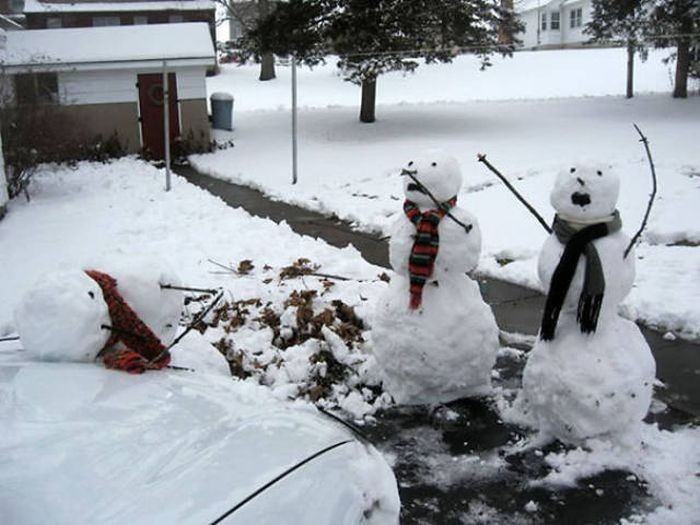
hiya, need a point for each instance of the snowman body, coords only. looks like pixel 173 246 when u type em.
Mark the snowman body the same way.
pixel 579 385
pixel 445 349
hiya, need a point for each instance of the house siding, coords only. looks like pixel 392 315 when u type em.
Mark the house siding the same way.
pixel 195 119
pixel 565 36
pixel 106 119
pixel 106 87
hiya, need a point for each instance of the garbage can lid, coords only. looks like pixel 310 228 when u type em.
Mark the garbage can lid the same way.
pixel 220 95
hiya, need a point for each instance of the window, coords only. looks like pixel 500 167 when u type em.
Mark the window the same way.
pixel 554 21
pixel 101 21
pixel 53 22
pixel 31 88
pixel 140 20
pixel 175 19
pixel 575 17
pixel 543 22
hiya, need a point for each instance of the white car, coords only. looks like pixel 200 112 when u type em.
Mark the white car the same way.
pixel 82 444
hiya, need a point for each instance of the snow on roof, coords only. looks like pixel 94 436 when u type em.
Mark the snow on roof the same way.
pixel 522 6
pixel 108 44
pixel 35 6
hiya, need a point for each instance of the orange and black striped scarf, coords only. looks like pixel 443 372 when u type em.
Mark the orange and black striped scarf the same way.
pixel 142 344
pixel 425 247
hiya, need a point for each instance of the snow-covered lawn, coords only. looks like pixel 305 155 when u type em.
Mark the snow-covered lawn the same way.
pixel 532 115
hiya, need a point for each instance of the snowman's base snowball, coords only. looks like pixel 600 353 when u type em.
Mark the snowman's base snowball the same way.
pixel 579 386
pixel 61 318
pixel 441 352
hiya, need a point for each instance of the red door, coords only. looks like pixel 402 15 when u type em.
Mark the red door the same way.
pixel 151 104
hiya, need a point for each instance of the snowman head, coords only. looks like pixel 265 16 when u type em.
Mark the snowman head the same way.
pixel 61 318
pixel 585 192
pixel 435 171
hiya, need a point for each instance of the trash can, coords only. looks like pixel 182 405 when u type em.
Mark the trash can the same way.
pixel 222 111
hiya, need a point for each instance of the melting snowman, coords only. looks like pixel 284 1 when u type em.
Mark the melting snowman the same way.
pixel 434 337
pixel 65 315
pixel 591 371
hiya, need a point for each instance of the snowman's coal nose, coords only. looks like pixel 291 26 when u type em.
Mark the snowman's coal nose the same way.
pixel 581 199
pixel 412 186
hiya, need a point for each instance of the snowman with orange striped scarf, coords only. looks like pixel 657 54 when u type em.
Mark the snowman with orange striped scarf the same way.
pixel 433 335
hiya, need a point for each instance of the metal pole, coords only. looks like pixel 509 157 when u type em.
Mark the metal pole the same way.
pixel 294 119
pixel 166 125
pixel 4 197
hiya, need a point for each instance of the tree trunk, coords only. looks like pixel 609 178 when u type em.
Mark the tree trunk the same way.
pixel 267 67
pixel 369 99
pixel 267 63
pixel 630 68
pixel 680 87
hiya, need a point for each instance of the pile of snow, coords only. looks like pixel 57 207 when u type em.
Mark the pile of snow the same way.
pixel 668 462
pixel 117 217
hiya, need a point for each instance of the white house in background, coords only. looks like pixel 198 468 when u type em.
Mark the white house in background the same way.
pixel 109 79
pixel 553 23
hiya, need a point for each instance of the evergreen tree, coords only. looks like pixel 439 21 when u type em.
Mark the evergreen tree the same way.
pixel 247 14
pixel 677 23
pixel 372 37
pixel 625 20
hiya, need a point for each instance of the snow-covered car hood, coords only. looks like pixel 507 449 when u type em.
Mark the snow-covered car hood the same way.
pixel 81 444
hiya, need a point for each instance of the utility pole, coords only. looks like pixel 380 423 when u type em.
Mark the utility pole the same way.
pixel 166 125
pixel 294 120
pixel 3 183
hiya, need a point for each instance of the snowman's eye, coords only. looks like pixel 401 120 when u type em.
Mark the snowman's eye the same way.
pixel 434 164
pixel 92 295
pixel 600 173
pixel 410 163
pixel 572 170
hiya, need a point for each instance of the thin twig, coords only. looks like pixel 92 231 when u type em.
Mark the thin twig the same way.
pixel 201 315
pixel 227 268
pixel 441 206
pixel 330 276
pixel 12 338
pixel 187 289
pixel 482 158
pixel 634 239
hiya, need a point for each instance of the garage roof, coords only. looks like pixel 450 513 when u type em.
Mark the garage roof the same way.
pixel 108 47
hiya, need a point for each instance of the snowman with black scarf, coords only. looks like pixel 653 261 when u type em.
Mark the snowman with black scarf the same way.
pixel 433 336
pixel 591 372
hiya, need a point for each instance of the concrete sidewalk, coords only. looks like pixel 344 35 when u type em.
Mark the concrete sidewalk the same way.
pixel 517 309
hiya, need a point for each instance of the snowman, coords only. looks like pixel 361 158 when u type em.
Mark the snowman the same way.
pixel 70 316
pixel 591 372
pixel 433 336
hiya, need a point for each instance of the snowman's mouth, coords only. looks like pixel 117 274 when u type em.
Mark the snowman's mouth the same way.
pixel 581 199
pixel 412 186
